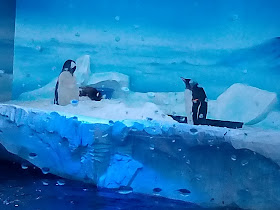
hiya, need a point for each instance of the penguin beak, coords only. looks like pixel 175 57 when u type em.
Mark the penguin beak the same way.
pixel 72 70
pixel 186 81
pixel 182 78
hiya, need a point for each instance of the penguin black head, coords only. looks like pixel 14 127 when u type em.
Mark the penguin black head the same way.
pixel 189 83
pixel 70 66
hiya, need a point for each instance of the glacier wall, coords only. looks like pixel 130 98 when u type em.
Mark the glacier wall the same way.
pixel 200 164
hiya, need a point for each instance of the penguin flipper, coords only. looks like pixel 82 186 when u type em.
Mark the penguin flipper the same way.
pixel 56 94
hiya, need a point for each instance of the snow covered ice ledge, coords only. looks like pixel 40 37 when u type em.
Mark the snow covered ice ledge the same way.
pixel 206 165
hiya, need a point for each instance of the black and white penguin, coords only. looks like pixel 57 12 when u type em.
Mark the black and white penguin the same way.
pixel 198 102
pixel 66 88
pixel 90 92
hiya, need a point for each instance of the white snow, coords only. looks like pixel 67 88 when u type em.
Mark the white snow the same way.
pixel 104 109
pixel 168 102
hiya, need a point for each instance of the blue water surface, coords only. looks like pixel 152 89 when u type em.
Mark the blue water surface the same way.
pixel 30 189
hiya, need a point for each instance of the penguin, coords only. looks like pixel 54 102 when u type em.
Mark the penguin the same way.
pixel 66 88
pixel 198 100
pixel 188 100
pixel 90 92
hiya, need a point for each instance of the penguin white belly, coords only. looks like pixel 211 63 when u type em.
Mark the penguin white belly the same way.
pixel 188 105
pixel 67 88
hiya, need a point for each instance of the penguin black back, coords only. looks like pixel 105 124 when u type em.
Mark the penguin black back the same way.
pixel 198 93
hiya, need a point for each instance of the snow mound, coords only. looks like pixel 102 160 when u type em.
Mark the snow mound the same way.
pixel 104 109
pixel 46 91
pixel 169 102
pixel 122 79
pixel 243 103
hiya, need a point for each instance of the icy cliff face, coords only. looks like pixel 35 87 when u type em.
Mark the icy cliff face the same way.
pixel 206 165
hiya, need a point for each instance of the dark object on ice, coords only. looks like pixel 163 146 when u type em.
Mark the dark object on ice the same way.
pixel 107 93
pixel 199 101
pixel 193 130
pixel 70 66
pixel 217 123
pixel 180 119
pixel 221 123
pixel 184 191
pixel 157 190
pixel 91 92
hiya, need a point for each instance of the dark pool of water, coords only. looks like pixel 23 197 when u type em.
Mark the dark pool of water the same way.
pixel 30 189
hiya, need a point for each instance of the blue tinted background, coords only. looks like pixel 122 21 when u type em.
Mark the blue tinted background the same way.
pixel 208 21
pixel 159 42
pixel 7 24
pixel 7 29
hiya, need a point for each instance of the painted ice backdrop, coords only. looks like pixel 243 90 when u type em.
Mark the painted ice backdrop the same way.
pixel 154 43
pixel 140 49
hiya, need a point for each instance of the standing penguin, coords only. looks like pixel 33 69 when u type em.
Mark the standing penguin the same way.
pixel 199 102
pixel 188 101
pixel 66 88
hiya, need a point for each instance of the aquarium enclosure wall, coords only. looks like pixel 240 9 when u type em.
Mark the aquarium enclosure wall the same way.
pixel 171 99
pixel 7 31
